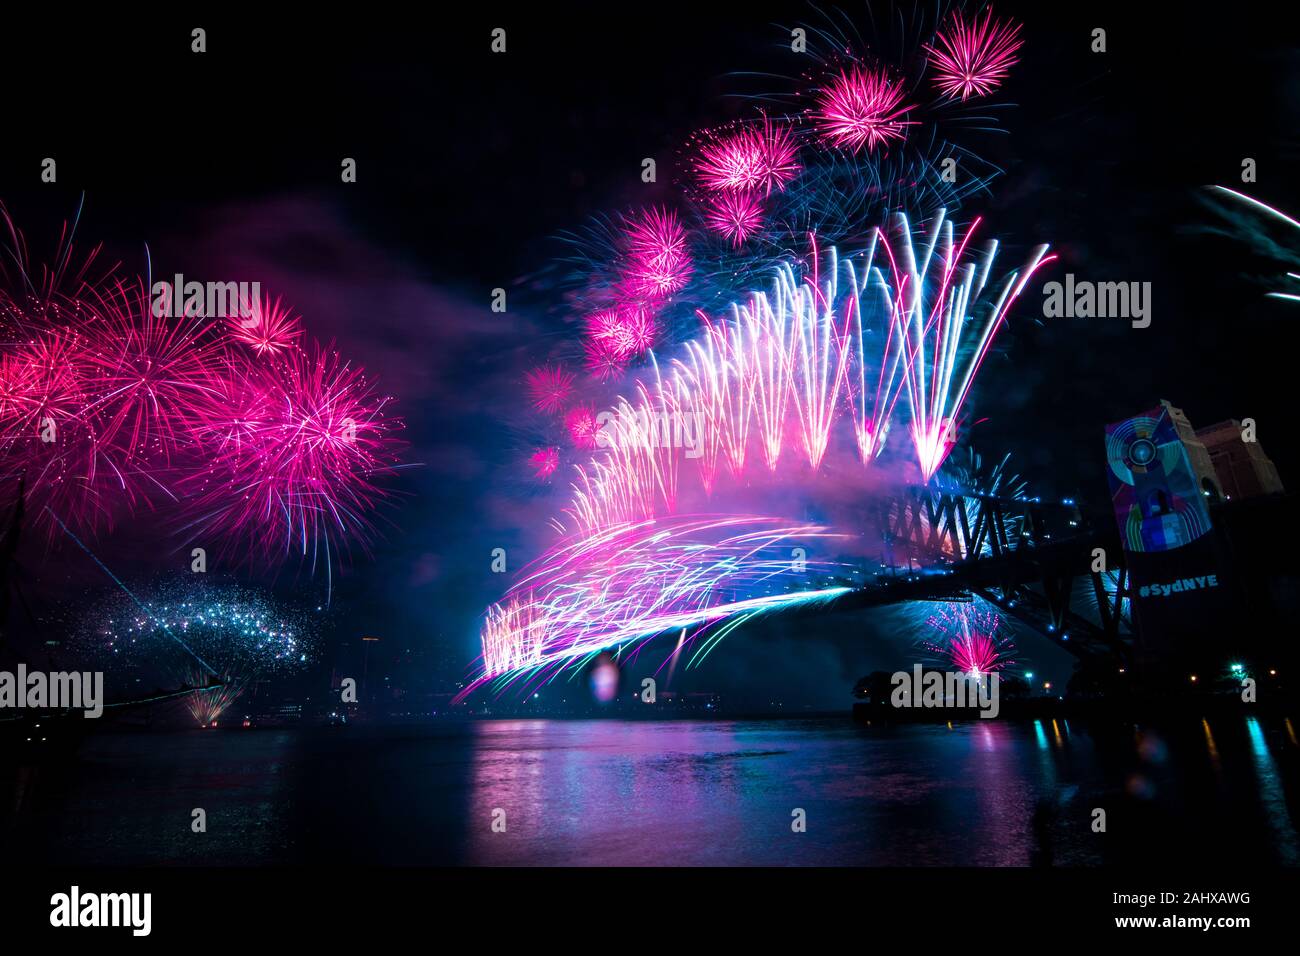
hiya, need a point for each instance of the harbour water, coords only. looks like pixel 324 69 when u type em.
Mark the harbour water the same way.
pixel 720 792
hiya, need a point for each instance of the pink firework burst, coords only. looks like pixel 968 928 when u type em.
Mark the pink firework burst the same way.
pixel 105 403
pixel 603 358
pixel 730 163
pixel 234 419
pixel 862 107
pixel 581 424
pixel 778 155
pixel 639 329
pixel 150 374
pixel 549 387
pixel 61 446
pixel 737 216
pixel 294 462
pixel 15 395
pixel 970 640
pixel 974 654
pixel 545 461
pixel 607 330
pixel 42 381
pixel 659 263
pixel 751 159
pixel 50 444
pixel 621 332
pixel 972 59
pixel 269 328
pixel 44 440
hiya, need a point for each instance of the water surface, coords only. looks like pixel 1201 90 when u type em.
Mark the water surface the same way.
pixel 670 793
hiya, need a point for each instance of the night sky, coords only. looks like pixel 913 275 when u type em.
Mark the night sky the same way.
pixel 469 164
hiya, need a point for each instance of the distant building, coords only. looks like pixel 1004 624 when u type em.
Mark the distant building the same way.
pixel 1240 467
pixel 1198 511
pixel 1199 457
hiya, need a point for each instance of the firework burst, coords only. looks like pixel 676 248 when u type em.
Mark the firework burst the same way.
pixel 220 628
pixel 970 640
pixel 633 582
pixel 638 330
pixel 208 703
pixel 758 159
pixel 861 108
pixel 659 262
pixel 781 360
pixel 149 375
pixel 973 58
pixel 215 637
pixel 268 327
pixel 51 440
pixel 850 337
pixel 735 216
pixel 545 461
pixel 311 439
pixel 107 404
pixel 580 422
pixel 789 364
pixel 621 332
pixel 934 295
pixel 730 163
pixel 549 387
pixel 604 359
